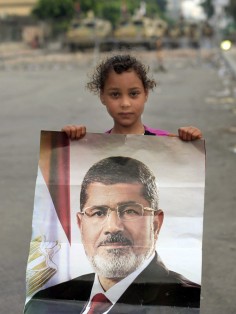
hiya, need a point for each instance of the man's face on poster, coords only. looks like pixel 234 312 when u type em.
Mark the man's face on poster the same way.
pixel 116 246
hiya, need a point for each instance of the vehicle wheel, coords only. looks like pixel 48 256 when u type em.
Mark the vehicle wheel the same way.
pixel 73 47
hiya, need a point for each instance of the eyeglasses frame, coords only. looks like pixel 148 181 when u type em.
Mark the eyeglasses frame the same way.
pixel 149 209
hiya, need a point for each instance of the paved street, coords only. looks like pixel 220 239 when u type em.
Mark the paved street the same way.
pixel 49 93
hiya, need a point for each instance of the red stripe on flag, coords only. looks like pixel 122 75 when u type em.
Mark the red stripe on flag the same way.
pixel 55 166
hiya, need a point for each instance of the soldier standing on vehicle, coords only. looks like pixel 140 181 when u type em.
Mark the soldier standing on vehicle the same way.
pixel 207 35
pixel 194 36
pixel 160 33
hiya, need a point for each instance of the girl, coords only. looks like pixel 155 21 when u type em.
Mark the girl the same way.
pixel 123 86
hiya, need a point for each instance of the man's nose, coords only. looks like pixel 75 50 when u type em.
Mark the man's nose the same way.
pixel 113 223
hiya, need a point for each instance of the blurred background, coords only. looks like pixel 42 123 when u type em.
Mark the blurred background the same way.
pixel 48 48
pixel 33 28
pixel 78 24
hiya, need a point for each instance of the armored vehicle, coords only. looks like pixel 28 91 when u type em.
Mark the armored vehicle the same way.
pixel 87 33
pixel 139 31
pixel 174 35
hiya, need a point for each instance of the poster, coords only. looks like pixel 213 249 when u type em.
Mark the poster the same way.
pixel 141 246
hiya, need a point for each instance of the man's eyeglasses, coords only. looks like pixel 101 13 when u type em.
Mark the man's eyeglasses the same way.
pixel 125 212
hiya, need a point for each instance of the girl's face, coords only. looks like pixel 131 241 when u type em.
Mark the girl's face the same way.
pixel 124 97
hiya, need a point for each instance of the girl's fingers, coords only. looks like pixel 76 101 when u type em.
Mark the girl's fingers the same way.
pixel 189 133
pixel 74 132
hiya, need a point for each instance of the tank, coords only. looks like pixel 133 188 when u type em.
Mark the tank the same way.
pixel 88 32
pixel 160 27
pixel 139 31
pixel 194 35
pixel 174 35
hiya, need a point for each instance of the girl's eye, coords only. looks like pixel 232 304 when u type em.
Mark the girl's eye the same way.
pixel 114 94
pixel 134 94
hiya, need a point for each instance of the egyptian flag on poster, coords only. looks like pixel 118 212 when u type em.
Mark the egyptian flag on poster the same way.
pixel 51 229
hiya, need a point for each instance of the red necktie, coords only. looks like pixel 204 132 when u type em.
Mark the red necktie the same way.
pixel 99 304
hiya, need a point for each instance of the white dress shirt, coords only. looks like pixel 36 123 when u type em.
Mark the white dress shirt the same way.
pixel 116 291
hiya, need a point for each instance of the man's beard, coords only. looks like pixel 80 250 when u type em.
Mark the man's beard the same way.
pixel 119 262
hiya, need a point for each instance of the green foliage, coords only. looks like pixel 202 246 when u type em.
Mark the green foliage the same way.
pixel 156 8
pixel 231 9
pixel 56 12
pixel 208 7
pixel 112 10
pixel 87 5
pixel 109 10
pixel 60 12
pixel 54 9
pixel 162 5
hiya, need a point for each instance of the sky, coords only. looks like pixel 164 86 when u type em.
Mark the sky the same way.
pixel 192 9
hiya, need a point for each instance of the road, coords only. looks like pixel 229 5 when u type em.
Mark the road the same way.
pixel 48 94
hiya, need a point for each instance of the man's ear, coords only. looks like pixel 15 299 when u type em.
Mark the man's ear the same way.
pixel 158 220
pixel 79 216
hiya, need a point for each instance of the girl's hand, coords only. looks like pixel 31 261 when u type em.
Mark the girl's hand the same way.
pixel 189 133
pixel 74 132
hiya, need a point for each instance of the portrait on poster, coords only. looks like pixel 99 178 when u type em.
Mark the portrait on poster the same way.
pixel 120 214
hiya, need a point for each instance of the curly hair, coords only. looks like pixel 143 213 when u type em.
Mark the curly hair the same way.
pixel 120 64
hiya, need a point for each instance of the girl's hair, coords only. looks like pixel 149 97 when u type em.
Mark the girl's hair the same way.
pixel 120 64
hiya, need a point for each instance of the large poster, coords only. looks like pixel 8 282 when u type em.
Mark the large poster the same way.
pixel 117 225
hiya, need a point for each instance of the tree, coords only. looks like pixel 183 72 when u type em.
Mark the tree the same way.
pixel 231 9
pixel 53 10
pixel 112 10
pixel 57 12
pixel 60 12
pixel 162 5
pixel 208 7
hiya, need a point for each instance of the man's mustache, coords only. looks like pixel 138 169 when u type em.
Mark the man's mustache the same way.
pixel 115 238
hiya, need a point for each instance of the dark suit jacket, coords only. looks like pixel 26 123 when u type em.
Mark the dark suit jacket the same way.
pixel 155 290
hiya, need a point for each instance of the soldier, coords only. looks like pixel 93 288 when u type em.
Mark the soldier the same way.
pixel 194 36
pixel 207 35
